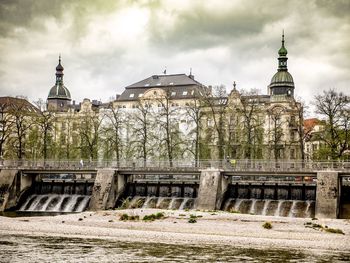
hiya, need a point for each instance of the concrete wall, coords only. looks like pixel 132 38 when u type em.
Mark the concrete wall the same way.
pixel 108 186
pixel 327 194
pixel 212 188
pixel 8 191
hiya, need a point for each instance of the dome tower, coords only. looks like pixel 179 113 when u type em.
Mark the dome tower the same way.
pixel 282 82
pixel 59 96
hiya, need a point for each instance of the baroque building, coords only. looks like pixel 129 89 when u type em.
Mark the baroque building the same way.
pixel 175 117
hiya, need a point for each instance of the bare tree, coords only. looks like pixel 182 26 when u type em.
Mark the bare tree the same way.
pixel 250 112
pixel 23 113
pixel 194 110
pixel 113 130
pixel 334 107
pixel 90 133
pixel 142 128
pixel 216 103
pixel 45 121
pixel 276 130
pixel 167 112
pixel 6 124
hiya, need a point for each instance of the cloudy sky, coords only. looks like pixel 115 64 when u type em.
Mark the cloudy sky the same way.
pixel 109 44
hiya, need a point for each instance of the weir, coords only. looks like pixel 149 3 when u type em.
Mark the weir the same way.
pixel 289 192
pixel 160 191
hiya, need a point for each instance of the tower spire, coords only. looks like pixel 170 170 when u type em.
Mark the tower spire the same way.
pixel 59 71
pixel 282 59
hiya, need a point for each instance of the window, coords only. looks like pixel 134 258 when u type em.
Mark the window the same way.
pixel 146 85
pixel 132 95
pixel 173 93
pixel 171 83
pixel 140 95
pixel 292 154
pixel 184 93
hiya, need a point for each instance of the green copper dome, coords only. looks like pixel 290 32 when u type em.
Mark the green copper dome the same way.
pixel 283 51
pixel 282 78
pixel 59 91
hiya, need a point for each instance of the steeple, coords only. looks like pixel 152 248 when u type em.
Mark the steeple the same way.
pixel 282 59
pixel 59 96
pixel 59 71
pixel 282 82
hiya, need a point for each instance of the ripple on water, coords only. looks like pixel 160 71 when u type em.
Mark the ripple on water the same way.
pixel 63 249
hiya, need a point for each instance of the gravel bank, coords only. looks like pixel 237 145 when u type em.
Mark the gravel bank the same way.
pixel 211 228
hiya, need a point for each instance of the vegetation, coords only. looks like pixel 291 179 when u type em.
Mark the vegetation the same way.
pixel 126 217
pixel 192 220
pixel 153 217
pixel 267 225
pixel 323 228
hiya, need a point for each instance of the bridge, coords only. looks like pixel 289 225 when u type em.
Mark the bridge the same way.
pixel 176 166
pixel 211 178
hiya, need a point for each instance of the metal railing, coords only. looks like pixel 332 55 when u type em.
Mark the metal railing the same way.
pixel 227 165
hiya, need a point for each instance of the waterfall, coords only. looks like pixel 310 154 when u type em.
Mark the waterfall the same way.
pixel 56 203
pixel 289 208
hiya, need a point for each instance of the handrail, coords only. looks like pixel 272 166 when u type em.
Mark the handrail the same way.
pixel 227 165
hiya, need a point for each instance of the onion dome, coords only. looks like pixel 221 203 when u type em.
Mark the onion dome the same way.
pixel 59 91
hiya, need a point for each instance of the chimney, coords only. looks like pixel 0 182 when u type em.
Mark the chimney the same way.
pixel 191 76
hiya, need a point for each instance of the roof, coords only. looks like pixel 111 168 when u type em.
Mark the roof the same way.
pixel 309 124
pixel 165 80
pixel 180 86
pixel 282 78
pixel 11 103
pixel 59 91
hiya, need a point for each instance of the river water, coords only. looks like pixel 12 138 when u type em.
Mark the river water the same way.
pixel 20 248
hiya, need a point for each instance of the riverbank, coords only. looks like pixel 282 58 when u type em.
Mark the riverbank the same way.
pixel 222 228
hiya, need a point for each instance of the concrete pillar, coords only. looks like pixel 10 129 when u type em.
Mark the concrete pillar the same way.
pixel 108 186
pixel 327 194
pixel 8 182
pixel 212 188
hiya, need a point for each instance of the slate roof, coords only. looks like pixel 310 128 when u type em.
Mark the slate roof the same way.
pixel 12 104
pixel 181 86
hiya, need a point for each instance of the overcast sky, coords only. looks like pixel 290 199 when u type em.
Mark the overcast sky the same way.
pixel 107 45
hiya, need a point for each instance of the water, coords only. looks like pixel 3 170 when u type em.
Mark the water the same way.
pixel 161 202
pixel 268 207
pixel 18 248
pixel 55 203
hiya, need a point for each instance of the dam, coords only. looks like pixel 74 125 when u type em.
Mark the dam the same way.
pixel 265 188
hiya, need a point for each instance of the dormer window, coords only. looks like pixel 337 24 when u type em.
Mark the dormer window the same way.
pixel 132 95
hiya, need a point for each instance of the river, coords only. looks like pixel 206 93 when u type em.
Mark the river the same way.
pixel 22 248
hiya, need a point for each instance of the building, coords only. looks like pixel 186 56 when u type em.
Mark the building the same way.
pixel 259 126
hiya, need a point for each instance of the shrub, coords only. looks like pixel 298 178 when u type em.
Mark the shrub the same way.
pixel 267 225
pixel 192 220
pixel 159 215
pixel 124 217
